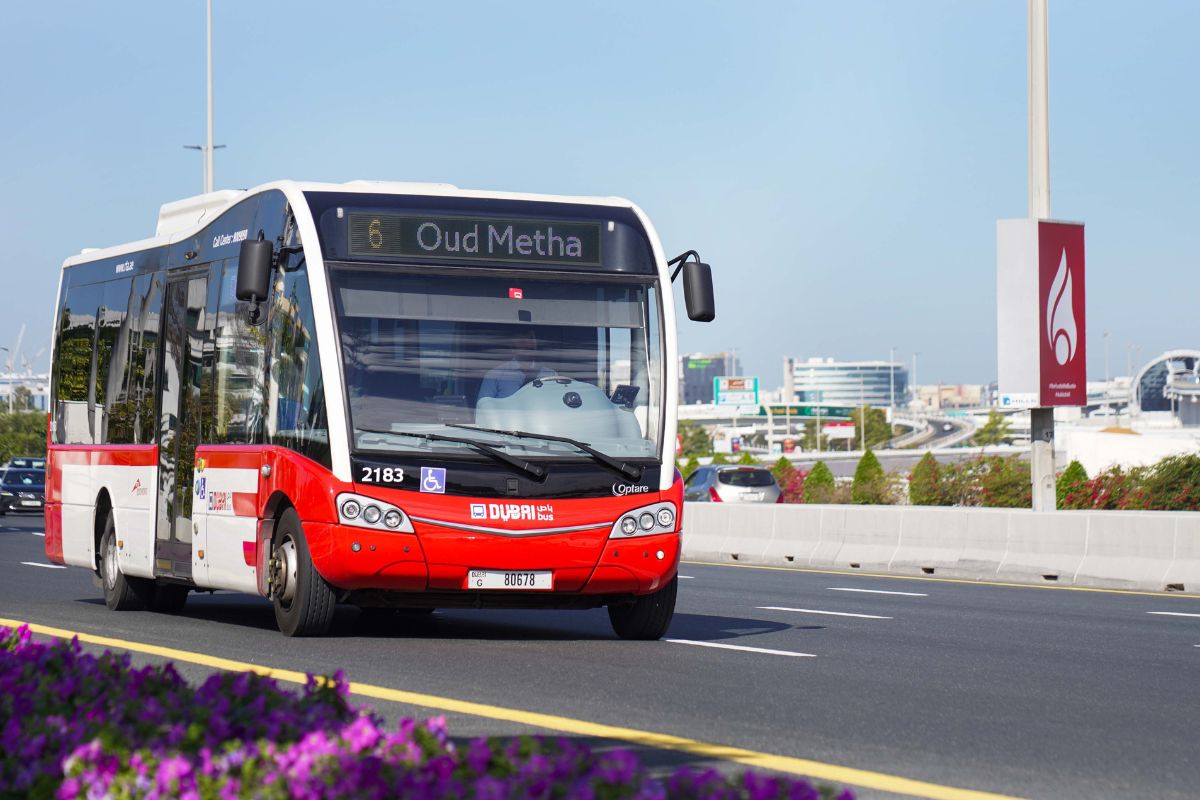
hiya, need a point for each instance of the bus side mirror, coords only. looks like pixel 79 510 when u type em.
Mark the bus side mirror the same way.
pixel 254 270
pixel 698 291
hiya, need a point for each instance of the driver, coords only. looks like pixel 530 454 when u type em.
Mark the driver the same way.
pixel 504 379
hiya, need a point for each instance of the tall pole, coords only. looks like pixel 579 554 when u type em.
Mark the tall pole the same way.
pixel 891 382
pixel 1041 420
pixel 208 152
pixel 916 397
pixel 862 411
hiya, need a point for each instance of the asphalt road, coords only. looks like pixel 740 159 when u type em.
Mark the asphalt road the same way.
pixel 1022 691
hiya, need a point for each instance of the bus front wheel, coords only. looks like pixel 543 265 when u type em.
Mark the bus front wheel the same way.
pixel 121 593
pixel 647 617
pixel 304 602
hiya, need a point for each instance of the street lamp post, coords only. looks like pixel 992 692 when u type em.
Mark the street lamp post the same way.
pixel 207 150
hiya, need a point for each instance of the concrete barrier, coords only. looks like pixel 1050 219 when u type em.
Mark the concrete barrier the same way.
pixel 871 536
pixel 1128 550
pixel 985 543
pixel 932 540
pixel 1184 572
pixel 1122 549
pixel 1046 546
pixel 796 535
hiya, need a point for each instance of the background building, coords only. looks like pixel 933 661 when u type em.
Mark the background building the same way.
pixel 696 373
pixel 963 395
pixel 879 384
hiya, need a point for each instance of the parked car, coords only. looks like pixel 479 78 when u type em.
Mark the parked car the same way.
pixel 26 462
pixel 732 483
pixel 22 490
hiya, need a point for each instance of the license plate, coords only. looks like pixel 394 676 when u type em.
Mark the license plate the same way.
pixel 30 503
pixel 752 495
pixel 528 580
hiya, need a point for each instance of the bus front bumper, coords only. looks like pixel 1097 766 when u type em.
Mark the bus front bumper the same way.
pixel 438 560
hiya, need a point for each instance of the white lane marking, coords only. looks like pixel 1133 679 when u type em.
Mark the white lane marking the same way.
pixel 815 611
pixel 43 566
pixel 1172 614
pixel 743 648
pixel 688 577
pixel 35 533
pixel 874 591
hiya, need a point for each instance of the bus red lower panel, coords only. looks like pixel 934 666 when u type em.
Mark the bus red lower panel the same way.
pixel 634 565
pixel 53 527
pixel 452 553
pixel 381 561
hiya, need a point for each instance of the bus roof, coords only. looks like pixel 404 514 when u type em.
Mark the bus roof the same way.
pixel 179 219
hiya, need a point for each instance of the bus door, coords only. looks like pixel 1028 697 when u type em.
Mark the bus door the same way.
pixel 183 340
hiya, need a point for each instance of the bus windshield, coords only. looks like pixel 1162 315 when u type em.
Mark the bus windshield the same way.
pixel 442 354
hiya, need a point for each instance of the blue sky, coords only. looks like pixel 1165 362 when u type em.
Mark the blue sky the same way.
pixel 841 165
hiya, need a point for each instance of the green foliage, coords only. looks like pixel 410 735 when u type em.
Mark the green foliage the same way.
pixel 720 458
pixel 1070 482
pixel 1174 484
pixel 1005 483
pixel 871 485
pixel 783 471
pixel 997 430
pixel 746 458
pixel 22 433
pixel 925 483
pixel 878 430
pixel 819 485
pixel 808 441
pixel 691 466
pixel 696 441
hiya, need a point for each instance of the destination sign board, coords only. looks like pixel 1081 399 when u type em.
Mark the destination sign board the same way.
pixel 474 239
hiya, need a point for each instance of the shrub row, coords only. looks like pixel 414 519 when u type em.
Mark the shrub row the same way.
pixel 74 725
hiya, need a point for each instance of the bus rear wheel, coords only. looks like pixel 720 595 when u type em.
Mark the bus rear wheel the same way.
pixel 304 602
pixel 647 617
pixel 121 593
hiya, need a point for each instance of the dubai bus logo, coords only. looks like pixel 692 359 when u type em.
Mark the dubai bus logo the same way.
pixel 1060 315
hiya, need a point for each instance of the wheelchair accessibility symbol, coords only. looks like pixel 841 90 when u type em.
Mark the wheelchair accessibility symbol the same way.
pixel 433 479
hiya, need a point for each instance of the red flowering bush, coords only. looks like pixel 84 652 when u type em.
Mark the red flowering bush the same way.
pixel 76 725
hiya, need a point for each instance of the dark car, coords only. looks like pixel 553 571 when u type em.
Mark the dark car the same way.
pixel 27 462
pixel 22 490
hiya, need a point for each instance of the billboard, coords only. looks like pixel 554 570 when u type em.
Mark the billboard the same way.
pixel 728 391
pixel 1040 305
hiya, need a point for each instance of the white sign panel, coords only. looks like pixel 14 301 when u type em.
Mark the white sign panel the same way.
pixel 730 391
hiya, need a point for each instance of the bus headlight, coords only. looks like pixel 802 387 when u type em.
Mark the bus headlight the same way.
pixel 646 521
pixel 367 512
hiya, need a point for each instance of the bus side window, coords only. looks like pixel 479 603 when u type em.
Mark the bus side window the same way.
pixel 296 417
pixel 238 369
pixel 74 364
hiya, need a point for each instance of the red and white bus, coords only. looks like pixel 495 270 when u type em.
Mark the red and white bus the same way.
pixel 383 394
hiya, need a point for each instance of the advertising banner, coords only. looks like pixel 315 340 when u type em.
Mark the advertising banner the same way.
pixel 1040 302
pixel 730 391
pixel 1061 281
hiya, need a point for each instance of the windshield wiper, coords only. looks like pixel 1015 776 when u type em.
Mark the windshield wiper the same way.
pixel 536 470
pixel 632 472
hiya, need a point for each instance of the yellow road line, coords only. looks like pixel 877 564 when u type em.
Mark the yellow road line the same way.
pixel 941 580
pixel 817 770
